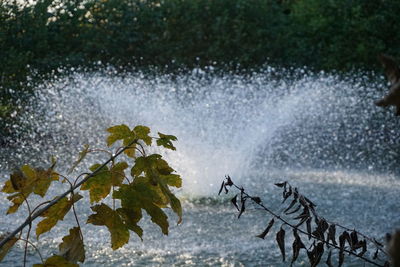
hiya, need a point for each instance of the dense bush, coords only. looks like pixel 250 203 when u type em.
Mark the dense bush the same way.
pixel 331 35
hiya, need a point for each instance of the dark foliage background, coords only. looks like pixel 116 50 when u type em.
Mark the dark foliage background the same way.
pixel 36 39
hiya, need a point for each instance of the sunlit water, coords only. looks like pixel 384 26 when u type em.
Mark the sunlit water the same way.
pixel 320 132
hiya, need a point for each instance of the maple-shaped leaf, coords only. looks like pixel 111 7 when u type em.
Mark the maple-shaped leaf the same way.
pixel 7 246
pixel 72 248
pixel 56 261
pixel 172 180
pixel 166 141
pixel 99 185
pixel 152 166
pixel 118 132
pixel 131 217
pixel 25 181
pixel 82 155
pixel 141 193
pixel 55 213
pixel 142 133
pixel 110 218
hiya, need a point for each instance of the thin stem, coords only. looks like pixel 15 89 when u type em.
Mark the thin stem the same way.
pixel 26 243
pixel 35 247
pixel 76 216
pixel 29 229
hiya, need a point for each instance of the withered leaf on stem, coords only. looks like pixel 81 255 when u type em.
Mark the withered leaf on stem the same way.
pixel 341 257
pixel 342 240
pixel 354 240
pixel 281 184
pixel 280 238
pixel 376 254
pixel 222 187
pixel 295 210
pixel 234 202
pixel 315 254
pixel 297 245
pixel 256 200
pixel 287 194
pixel 328 259
pixel 242 208
pixel 332 234
pixel 308 223
pixel 364 247
pixel 294 201
pixel 265 232
pixel 305 213
pixel 228 181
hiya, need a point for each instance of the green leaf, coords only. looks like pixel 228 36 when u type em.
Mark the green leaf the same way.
pixel 131 151
pixel 99 185
pixel 143 195
pixel 172 180
pixel 56 261
pixel 118 132
pixel 142 132
pixel 55 214
pixel 131 217
pixel 7 246
pixel 72 248
pixel 82 155
pixel 165 141
pixel 110 218
pixel 43 181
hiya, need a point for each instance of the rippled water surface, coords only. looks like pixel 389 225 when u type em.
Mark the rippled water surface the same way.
pixel 320 132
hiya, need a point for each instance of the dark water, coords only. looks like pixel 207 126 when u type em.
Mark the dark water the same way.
pixel 320 132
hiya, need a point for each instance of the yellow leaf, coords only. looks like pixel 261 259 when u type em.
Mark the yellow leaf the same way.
pixel 118 132
pixel 142 132
pixel 55 214
pixel 99 185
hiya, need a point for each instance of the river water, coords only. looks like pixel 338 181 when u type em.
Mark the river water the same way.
pixel 318 131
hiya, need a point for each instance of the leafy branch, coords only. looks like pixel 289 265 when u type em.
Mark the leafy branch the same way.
pixel 149 189
pixel 320 232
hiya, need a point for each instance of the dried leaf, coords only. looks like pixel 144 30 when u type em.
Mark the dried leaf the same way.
pixel 265 232
pixel 234 202
pixel 354 240
pixel 281 184
pixel 72 248
pixel 280 238
pixel 222 187
pixel 308 223
pixel 295 210
pixel 297 245
pixel 294 201
pixel 242 208
pixel 341 258
pixel 228 181
pixel 287 194
pixel 332 234
pixel 376 254
pixel 364 247
pixel 256 200
pixel 328 259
